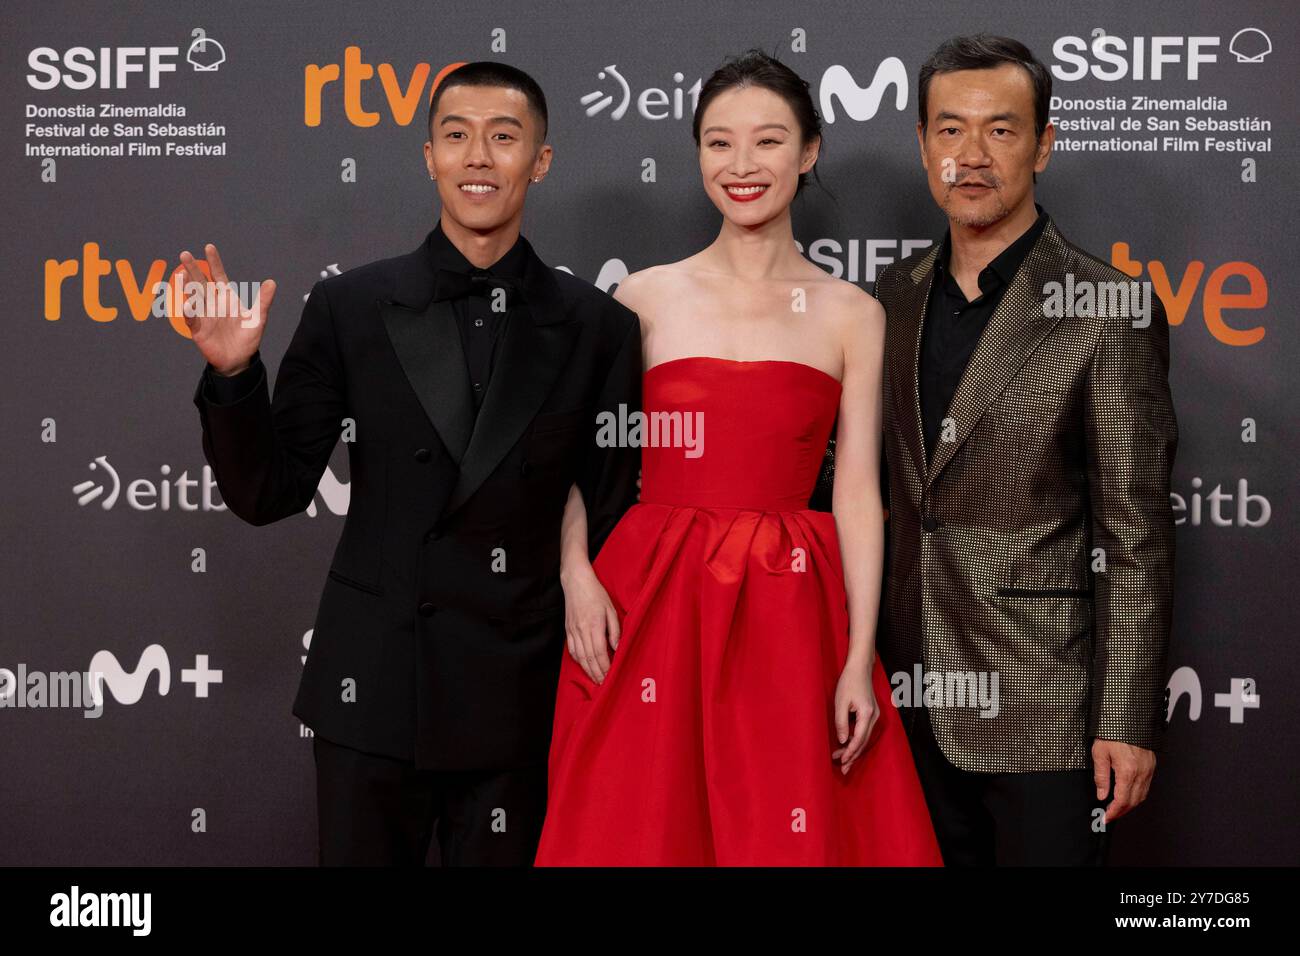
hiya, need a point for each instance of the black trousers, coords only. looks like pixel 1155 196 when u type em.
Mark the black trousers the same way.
pixel 1008 819
pixel 379 811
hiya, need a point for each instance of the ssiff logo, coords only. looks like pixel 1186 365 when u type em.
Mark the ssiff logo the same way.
pixel 112 68
pixel 1145 58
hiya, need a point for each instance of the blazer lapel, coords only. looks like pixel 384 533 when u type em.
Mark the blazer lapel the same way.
pixel 908 317
pixel 537 341
pixel 1014 330
pixel 424 336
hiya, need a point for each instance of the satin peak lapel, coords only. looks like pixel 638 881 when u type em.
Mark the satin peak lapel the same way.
pixel 538 338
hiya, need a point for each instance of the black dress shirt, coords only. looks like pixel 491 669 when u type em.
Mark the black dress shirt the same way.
pixel 481 326
pixel 953 325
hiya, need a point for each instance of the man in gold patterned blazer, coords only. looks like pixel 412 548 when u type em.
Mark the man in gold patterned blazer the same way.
pixel 1029 434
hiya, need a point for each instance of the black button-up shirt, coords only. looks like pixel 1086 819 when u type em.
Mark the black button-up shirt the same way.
pixel 953 325
pixel 481 326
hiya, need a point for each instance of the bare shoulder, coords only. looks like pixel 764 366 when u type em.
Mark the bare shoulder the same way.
pixel 642 291
pixel 857 315
pixel 644 282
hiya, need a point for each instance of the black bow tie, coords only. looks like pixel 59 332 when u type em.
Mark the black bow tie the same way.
pixel 454 285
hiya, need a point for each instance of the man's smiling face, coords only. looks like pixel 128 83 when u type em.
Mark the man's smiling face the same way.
pixel 484 148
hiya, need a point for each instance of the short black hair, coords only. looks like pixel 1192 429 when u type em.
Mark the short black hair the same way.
pixel 983 51
pixel 492 73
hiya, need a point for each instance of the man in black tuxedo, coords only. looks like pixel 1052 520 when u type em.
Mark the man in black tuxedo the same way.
pixel 465 378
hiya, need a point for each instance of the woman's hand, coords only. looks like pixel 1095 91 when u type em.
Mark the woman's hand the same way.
pixel 854 695
pixel 590 621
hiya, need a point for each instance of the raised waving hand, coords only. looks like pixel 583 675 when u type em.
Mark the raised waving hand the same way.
pixel 226 331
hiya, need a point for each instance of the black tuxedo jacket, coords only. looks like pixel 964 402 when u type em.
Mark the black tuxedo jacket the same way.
pixel 440 628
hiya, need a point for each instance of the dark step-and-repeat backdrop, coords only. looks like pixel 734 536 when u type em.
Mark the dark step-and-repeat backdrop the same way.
pixel 291 136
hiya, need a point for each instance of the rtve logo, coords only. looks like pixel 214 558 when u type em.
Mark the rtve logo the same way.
pixel 403 102
pixel 1178 299
pixel 157 293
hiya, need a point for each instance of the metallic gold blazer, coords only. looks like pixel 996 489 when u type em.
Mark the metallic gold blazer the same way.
pixel 1035 550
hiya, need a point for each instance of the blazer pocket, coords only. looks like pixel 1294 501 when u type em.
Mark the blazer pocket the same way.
pixel 1033 387
pixel 553 437
pixel 1045 592
pixel 530 624
pixel 359 556
pixel 1058 621
pixel 353 583
pixel 1023 405
pixel 558 421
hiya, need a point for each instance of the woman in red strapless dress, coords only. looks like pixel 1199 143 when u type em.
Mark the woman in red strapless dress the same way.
pixel 712 737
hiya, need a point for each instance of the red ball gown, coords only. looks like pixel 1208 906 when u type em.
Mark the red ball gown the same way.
pixel 709 742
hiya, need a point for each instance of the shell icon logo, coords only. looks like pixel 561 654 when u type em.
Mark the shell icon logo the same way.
pixel 205 54
pixel 1250 45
